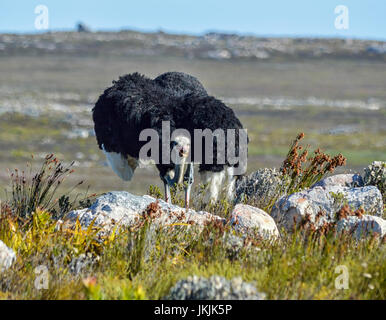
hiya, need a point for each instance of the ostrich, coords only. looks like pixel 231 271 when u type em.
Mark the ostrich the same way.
pixel 135 103
pixel 180 84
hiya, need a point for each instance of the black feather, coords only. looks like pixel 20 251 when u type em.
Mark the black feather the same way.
pixel 135 103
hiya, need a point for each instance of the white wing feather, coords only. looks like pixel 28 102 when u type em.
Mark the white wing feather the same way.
pixel 120 164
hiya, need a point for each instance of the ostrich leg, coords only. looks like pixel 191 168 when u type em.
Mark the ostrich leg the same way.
pixel 167 183
pixel 189 179
pixel 168 197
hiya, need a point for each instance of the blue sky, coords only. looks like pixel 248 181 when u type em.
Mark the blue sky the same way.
pixel 367 18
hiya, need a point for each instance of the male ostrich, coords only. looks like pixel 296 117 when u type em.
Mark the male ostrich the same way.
pixel 135 103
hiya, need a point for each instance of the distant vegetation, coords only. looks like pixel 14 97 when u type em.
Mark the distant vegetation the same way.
pixel 218 46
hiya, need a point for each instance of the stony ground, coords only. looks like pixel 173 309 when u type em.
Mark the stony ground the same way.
pixel 48 90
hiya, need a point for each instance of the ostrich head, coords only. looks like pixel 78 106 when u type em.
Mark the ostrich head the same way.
pixel 179 154
pixel 182 170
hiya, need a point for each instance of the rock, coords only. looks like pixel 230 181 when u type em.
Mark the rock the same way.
pixel 126 209
pixel 82 263
pixel 123 208
pixel 259 188
pixel 7 256
pixel 214 288
pixel 364 226
pixel 376 49
pixel 319 205
pixel 375 175
pixel 247 218
pixel 232 244
pixel 79 265
pixel 344 180
pixel 220 54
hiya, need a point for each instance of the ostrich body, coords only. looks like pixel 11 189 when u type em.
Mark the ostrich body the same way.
pixel 135 103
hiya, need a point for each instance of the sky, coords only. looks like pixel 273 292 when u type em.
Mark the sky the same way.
pixel 366 18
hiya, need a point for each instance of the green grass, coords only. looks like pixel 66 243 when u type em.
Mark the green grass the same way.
pixel 127 265
pixel 269 130
pixel 19 128
pixel 294 268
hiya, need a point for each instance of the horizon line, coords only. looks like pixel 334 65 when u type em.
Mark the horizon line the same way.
pixel 196 34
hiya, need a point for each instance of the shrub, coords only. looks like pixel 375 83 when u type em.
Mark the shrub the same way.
pixel 298 171
pixel 39 191
pixel 305 171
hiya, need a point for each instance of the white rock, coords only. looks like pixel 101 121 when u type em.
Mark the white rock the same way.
pixel 214 288
pixel 7 256
pixel 361 227
pixel 247 218
pixel 320 206
pixel 126 209
pixel 343 180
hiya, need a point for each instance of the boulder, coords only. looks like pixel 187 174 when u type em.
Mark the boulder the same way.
pixel 235 246
pixel 343 180
pixel 248 219
pixel 363 226
pixel 375 175
pixel 319 205
pixel 259 187
pixel 83 263
pixel 120 207
pixel 214 288
pixel 7 256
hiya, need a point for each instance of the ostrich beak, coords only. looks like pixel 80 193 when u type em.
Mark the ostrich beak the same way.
pixel 180 170
pixel 178 176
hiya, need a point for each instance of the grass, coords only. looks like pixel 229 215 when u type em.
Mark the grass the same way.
pixel 38 191
pixel 21 136
pixel 136 263
pixel 292 269
pixel 269 137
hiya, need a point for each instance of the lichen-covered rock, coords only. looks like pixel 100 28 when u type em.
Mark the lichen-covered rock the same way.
pixel 233 245
pixel 362 226
pixel 79 265
pixel 120 207
pixel 319 205
pixel 375 175
pixel 213 288
pixel 247 218
pixel 82 263
pixel 259 188
pixel 344 180
pixel 7 256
